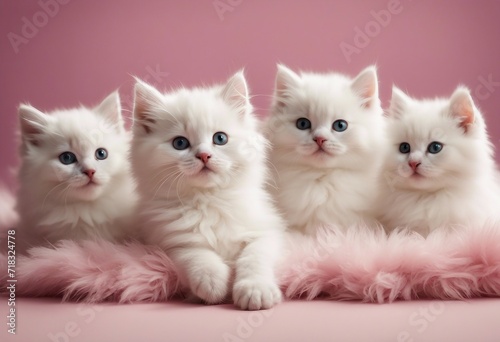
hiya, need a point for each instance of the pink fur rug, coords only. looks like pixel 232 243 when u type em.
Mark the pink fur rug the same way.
pixel 366 266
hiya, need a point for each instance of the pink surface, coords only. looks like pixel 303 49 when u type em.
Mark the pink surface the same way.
pixel 83 50
pixel 41 319
pixel 369 266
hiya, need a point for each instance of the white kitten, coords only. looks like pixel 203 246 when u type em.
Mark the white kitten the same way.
pixel 200 162
pixel 327 131
pixel 440 169
pixel 75 177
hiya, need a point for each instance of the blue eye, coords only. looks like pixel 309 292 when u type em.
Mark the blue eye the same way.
pixel 303 124
pixel 180 143
pixel 101 154
pixel 434 147
pixel 67 158
pixel 220 138
pixel 404 148
pixel 340 125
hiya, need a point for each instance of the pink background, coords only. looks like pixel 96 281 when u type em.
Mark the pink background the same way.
pixel 89 48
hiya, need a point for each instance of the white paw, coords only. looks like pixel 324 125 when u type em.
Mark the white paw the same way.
pixel 211 284
pixel 250 294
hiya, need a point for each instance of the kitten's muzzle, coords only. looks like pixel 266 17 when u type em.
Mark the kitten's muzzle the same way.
pixel 319 141
pixel 414 165
pixel 89 172
pixel 204 157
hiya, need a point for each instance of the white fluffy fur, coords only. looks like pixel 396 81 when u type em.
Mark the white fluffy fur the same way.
pixel 336 186
pixel 457 186
pixel 57 201
pixel 217 222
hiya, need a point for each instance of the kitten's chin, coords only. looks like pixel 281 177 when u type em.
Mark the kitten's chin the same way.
pixel 319 159
pixel 87 192
pixel 207 178
pixel 417 182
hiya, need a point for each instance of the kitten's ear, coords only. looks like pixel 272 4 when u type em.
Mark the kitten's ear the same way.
pixel 286 81
pixel 33 123
pixel 399 102
pixel 147 101
pixel 462 107
pixel 366 86
pixel 235 92
pixel 110 108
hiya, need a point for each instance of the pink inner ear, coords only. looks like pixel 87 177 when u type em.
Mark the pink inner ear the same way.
pixel 367 95
pixel 467 118
pixel 31 132
pixel 465 113
pixel 141 114
pixel 462 108
pixel 30 129
pixel 365 86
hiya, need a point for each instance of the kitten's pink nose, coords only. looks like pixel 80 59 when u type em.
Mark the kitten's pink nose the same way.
pixel 414 164
pixel 204 157
pixel 90 173
pixel 319 141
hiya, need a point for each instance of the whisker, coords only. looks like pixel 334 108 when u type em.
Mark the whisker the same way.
pixel 181 179
pixel 163 181
pixel 163 170
pixel 49 192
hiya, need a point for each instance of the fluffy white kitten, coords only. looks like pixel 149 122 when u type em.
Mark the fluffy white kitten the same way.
pixel 200 163
pixel 327 131
pixel 440 170
pixel 75 178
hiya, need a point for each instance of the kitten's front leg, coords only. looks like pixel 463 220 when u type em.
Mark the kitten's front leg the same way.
pixel 255 286
pixel 206 274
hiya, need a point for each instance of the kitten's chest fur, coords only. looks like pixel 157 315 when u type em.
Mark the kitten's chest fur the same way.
pixel 85 221
pixel 425 212
pixel 108 217
pixel 310 199
pixel 219 222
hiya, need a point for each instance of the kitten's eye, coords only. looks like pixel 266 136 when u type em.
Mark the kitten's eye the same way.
pixel 434 147
pixel 67 158
pixel 404 148
pixel 339 125
pixel 220 138
pixel 180 143
pixel 303 124
pixel 101 154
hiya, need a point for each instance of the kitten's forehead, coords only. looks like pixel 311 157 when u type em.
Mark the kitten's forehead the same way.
pixel 326 96
pixel 79 118
pixel 198 110
pixel 81 129
pixel 424 121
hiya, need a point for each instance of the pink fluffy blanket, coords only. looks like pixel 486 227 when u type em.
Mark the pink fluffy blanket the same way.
pixel 366 266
